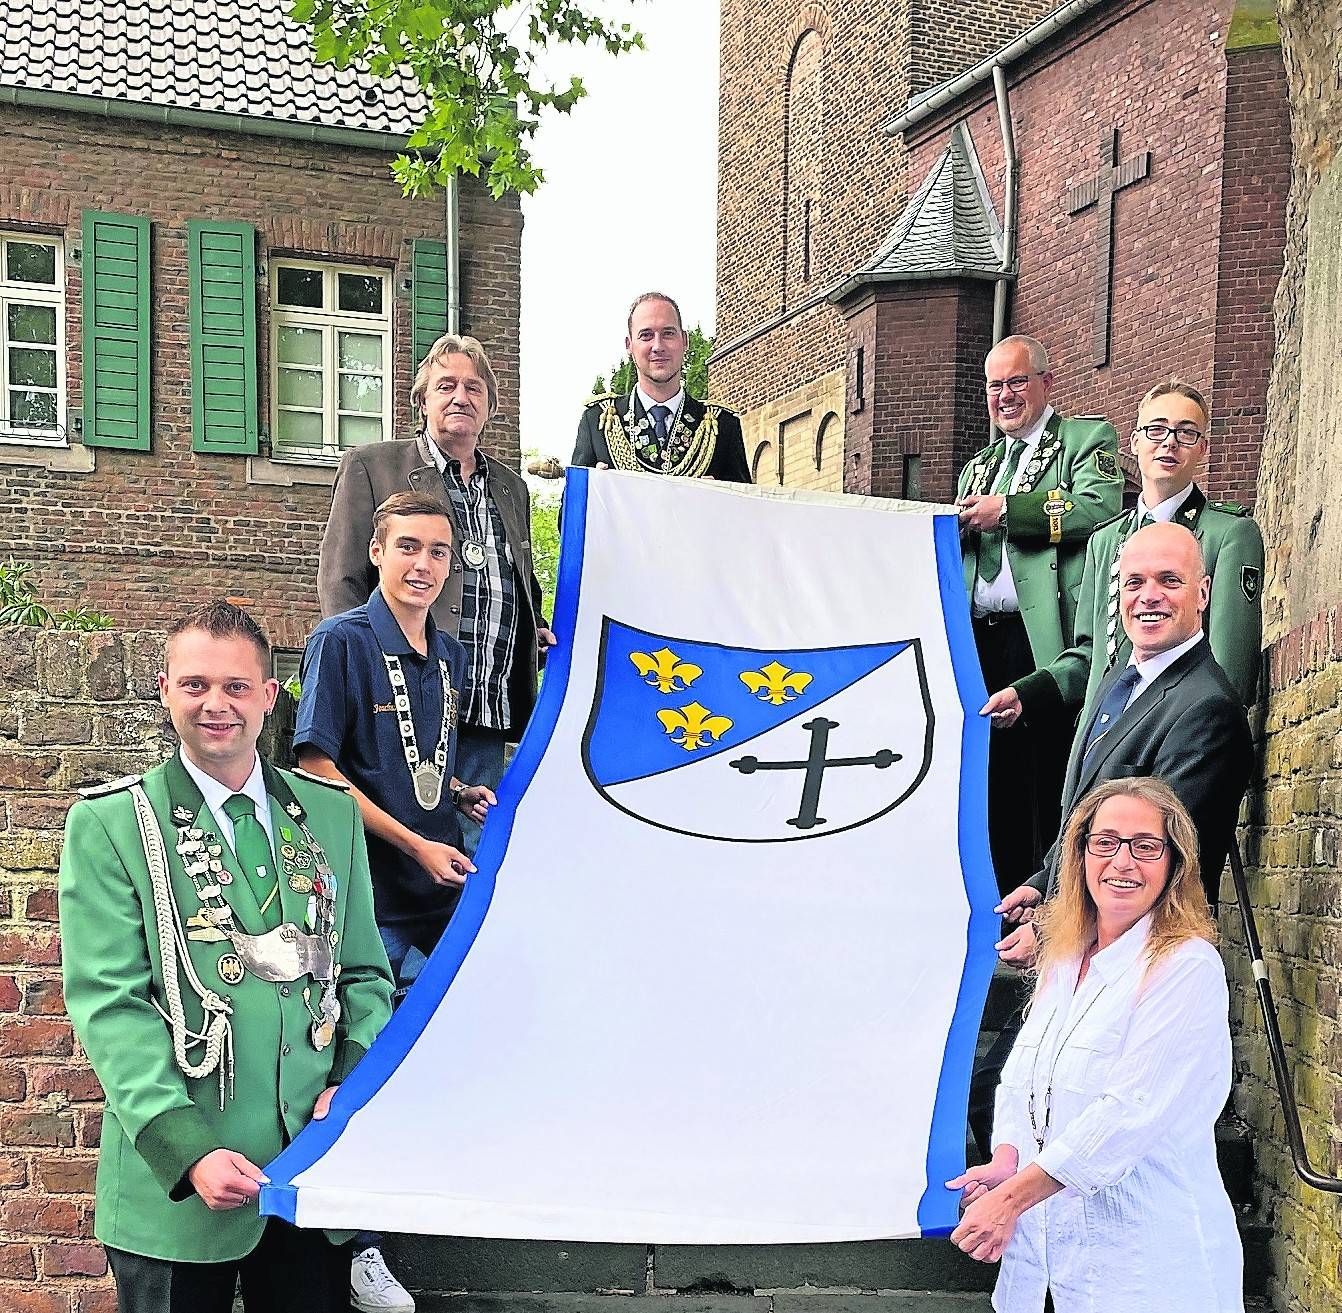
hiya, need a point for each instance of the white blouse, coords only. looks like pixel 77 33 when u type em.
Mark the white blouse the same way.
pixel 1138 1065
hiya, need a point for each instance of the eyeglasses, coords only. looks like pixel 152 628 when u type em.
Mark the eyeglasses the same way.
pixel 1155 434
pixel 1142 847
pixel 1017 383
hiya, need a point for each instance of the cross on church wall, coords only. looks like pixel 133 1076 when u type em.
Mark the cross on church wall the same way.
pixel 1101 190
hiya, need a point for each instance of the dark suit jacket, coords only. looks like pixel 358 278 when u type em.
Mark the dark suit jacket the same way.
pixel 1188 729
pixel 346 578
pixel 729 456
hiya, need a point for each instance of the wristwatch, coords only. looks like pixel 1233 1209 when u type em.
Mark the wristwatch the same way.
pixel 454 793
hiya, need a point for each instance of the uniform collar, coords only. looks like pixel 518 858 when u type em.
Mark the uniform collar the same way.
pixel 441 460
pixel 387 629
pixel 216 794
pixel 1166 510
pixel 1032 438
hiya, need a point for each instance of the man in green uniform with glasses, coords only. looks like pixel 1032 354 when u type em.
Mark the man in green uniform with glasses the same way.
pixel 1171 441
pixel 224 973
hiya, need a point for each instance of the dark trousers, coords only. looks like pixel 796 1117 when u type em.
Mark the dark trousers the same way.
pixel 1026 763
pixel 289 1271
pixel 480 760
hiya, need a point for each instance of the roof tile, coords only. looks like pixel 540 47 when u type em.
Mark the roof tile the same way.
pixel 225 56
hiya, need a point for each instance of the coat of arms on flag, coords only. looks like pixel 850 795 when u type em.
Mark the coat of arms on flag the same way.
pixel 756 746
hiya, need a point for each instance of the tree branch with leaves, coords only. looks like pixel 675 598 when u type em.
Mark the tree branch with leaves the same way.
pixel 477 61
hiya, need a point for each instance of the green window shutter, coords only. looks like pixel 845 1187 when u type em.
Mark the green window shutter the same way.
pixel 222 262
pixel 116 330
pixel 430 296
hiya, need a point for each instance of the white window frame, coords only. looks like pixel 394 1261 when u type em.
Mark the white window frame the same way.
pixel 330 322
pixel 52 294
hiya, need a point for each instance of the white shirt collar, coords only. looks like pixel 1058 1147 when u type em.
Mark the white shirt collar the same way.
pixel 671 403
pixel 216 794
pixel 1164 511
pixel 1110 963
pixel 1153 667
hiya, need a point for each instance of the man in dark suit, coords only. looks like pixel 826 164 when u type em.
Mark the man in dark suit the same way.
pixel 657 427
pixel 491 601
pixel 1170 712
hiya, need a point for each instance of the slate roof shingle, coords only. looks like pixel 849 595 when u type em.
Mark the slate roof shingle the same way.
pixel 242 57
pixel 948 229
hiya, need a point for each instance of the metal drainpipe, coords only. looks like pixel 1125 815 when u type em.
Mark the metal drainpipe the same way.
pixel 452 222
pixel 1002 288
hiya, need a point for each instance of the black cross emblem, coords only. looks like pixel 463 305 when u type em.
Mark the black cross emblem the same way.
pixel 1101 190
pixel 815 765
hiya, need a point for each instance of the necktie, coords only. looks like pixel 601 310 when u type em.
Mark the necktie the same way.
pixel 659 415
pixel 252 849
pixel 1112 638
pixel 990 543
pixel 1112 706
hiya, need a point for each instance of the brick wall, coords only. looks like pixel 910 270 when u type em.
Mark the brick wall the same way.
pixel 113 536
pixel 923 346
pixel 1197 244
pixel 1255 176
pixel 873 54
pixel 79 710
pixel 1291 849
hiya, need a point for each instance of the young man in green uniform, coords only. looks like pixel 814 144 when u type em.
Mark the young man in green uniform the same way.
pixel 1171 441
pixel 224 973
pixel 1028 504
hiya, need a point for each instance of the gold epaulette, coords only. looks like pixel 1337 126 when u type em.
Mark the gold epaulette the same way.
pixel 113 786
pixel 720 405
pixel 343 785
pixel 600 396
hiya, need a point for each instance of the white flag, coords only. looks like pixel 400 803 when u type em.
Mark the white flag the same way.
pixel 718 977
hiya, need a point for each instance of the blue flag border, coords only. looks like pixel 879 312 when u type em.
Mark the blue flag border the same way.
pixel 938 1208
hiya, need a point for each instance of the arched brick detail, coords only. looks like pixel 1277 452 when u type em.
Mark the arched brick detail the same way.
pixel 812 18
pixel 803 119
pixel 828 425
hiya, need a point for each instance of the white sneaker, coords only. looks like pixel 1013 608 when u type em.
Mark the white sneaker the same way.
pixel 373 1289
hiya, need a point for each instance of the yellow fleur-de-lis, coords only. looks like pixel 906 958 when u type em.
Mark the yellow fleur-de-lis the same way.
pixel 665 671
pixel 775 684
pixel 696 726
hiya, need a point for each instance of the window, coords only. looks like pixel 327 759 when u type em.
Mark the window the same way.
pixel 330 358
pixel 32 338
pixel 913 478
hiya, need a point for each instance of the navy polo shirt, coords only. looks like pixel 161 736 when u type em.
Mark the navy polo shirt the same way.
pixel 346 711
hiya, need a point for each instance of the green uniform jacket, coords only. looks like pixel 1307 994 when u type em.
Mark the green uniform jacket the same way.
pixel 1076 487
pixel 159 1122
pixel 1232 548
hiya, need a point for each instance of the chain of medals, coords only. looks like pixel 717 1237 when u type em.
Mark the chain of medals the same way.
pixel 986 471
pixel 473 549
pixel 284 953
pixel 1040 1132
pixel 428 777
pixel 634 446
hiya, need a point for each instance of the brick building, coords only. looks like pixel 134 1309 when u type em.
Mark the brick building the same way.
pixel 1152 162
pixel 212 286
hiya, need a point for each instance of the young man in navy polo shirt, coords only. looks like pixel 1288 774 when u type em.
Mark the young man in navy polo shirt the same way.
pixel 378 710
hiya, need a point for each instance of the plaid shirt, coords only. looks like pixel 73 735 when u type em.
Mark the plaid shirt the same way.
pixel 489 619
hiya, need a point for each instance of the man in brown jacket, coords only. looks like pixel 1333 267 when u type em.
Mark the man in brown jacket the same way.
pixel 491 601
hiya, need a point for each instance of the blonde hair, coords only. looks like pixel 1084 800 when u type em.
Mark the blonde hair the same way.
pixel 452 345
pixel 1177 387
pixel 1066 923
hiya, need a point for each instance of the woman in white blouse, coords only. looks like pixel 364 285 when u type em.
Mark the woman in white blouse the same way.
pixel 1103 1190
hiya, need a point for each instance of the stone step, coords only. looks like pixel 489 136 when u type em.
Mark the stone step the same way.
pixel 809 1301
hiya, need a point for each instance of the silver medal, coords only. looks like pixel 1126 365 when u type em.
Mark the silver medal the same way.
pixel 473 554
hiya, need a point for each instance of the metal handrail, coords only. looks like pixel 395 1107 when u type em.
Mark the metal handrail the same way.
pixel 1285 1086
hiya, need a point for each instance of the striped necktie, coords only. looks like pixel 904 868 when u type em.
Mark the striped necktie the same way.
pixel 990 544
pixel 1112 638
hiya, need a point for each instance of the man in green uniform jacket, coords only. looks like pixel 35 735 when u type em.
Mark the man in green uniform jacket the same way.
pixel 224 973
pixel 1028 504
pixel 1171 440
